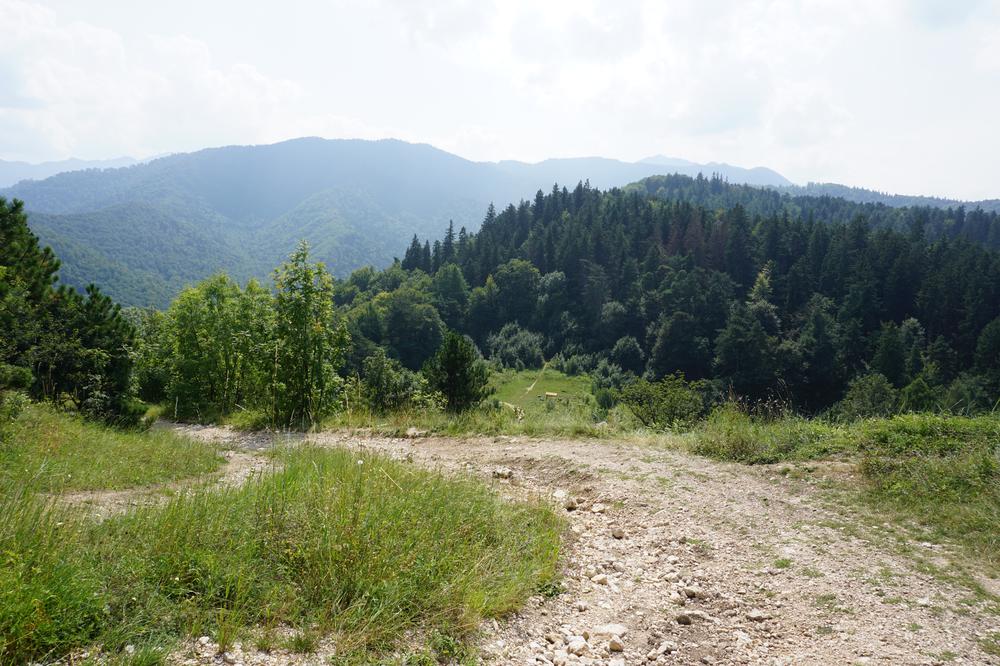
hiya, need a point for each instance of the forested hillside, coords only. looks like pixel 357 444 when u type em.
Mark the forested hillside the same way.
pixel 862 195
pixel 14 172
pixel 834 205
pixel 148 230
pixel 763 299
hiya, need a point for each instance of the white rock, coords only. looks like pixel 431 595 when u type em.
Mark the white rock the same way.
pixel 598 508
pixel 694 592
pixel 610 630
pixel 577 645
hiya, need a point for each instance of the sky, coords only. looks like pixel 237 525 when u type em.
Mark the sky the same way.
pixel 900 96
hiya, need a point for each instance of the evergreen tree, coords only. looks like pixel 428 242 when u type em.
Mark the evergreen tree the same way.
pixel 890 355
pixel 458 372
pixel 450 293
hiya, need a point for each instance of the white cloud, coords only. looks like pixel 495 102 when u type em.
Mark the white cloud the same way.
pixel 896 95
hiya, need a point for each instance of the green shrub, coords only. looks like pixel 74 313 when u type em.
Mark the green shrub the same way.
pixel 387 386
pixel 459 373
pixel 868 396
pixel 669 404
pixel 15 377
pixel 608 376
pixel 515 348
pixel 628 355
pixel 969 394
pixel 918 396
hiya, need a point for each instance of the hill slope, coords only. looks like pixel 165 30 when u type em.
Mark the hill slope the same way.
pixel 146 230
pixel 14 172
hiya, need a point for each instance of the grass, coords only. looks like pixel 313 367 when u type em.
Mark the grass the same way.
pixel 990 643
pixel 943 471
pixel 730 434
pixel 54 451
pixel 359 547
pixel 518 406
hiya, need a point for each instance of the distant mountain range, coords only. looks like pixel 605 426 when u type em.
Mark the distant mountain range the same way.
pixel 12 173
pixel 145 230
pixel 861 195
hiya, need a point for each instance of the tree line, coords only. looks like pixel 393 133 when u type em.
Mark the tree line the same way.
pixel 625 283
pixel 621 285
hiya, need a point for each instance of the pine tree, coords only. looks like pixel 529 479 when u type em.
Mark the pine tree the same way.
pixel 458 372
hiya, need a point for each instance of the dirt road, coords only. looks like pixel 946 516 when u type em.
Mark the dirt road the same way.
pixel 675 559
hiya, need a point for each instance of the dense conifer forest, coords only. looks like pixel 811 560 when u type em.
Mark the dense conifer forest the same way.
pixel 738 289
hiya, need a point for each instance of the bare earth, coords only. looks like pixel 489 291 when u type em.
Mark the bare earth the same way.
pixel 715 564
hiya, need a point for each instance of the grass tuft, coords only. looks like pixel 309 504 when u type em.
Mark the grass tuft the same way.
pixel 731 434
pixel 359 546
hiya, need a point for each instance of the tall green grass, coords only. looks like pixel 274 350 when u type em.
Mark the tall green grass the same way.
pixel 361 546
pixel 943 471
pixel 53 450
pixel 731 434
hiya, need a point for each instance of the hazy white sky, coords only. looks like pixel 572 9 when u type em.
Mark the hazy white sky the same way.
pixel 898 95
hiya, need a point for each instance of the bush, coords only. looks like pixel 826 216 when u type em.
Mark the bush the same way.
pixel 15 377
pixel 669 404
pixel 574 364
pixel 516 348
pixel 628 355
pixel 867 396
pixel 12 404
pixel 968 394
pixel 608 376
pixel 386 385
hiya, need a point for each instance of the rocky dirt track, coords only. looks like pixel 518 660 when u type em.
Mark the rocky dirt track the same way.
pixel 673 559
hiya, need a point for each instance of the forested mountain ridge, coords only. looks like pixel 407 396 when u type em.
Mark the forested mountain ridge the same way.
pixel 799 303
pixel 13 172
pixel 147 230
pixel 973 223
pixel 862 195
